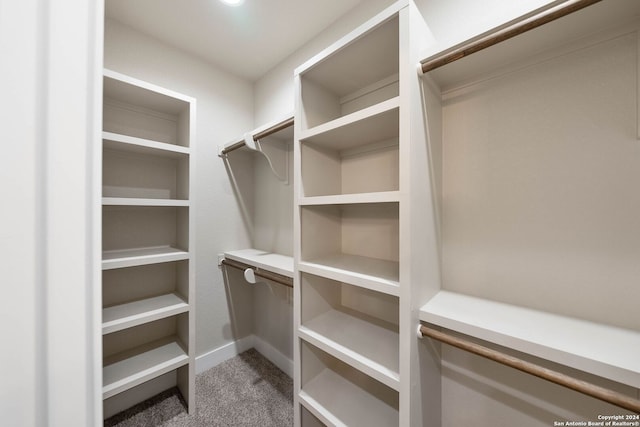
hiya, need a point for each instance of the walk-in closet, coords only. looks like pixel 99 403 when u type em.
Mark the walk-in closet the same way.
pixel 271 213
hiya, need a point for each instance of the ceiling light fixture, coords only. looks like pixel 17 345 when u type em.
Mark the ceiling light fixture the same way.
pixel 232 2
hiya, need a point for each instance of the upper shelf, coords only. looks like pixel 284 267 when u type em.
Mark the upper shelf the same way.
pixel 378 122
pixel 143 94
pixel 550 39
pixel 276 263
pixel 584 345
pixel 367 55
pixel 145 111
pixel 358 71
pixel 133 144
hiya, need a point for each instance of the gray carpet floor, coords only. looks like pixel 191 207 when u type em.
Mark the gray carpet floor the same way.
pixel 247 390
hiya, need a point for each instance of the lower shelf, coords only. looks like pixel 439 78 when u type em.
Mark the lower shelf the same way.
pixel 141 364
pixel 141 256
pixel 336 401
pixel 368 347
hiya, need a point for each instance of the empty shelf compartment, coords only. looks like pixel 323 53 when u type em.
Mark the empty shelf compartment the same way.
pixel 137 354
pixel 148 362
pixel 353 243
pixel 124 285
pixel 363 73
pixel 142 110
pixel 339 395
pixel 359 157
pixel 128 174
pixel 355 325
pixel 136 235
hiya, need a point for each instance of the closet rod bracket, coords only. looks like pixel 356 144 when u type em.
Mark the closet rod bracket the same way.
pixel 275 150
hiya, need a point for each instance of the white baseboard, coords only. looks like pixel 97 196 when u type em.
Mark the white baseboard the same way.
pixel 215 357
pixel 273 355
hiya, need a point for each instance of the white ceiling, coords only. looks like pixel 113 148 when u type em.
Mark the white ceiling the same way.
pixel 247 40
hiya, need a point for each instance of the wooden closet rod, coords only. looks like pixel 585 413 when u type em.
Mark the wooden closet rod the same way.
pixel 274 277
pixel 263 134
pixel 467 49
pixel 584 387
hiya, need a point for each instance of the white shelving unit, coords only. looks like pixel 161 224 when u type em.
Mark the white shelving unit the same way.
pixel 351 227
pixel 363 223
pixel 148 242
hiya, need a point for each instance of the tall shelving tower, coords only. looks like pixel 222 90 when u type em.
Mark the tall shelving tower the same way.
pixel 360 145
pixel 148 278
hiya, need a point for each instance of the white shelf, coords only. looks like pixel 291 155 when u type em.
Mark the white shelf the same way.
pixel 591 347
pixel 376 123
pixel 132 201
pixel 144 146
pixel 338 402
pixel 370 348
pixel 135 313
pixel 356 198
pixel 143 94
pixel 150 362
pixel 141 256
pixel 276 263
pixel 375 274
